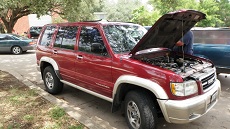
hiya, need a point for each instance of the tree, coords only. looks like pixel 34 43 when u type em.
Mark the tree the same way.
pixel 121 10
pixel 209 7
pixel 224 14
pixel 12 10
pixel 144 17
pixel 165 6
pixel 77 10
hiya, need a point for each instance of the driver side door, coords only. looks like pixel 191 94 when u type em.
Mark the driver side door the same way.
pixel 93 63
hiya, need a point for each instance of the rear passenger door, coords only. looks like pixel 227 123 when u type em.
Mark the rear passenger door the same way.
pixel 64 51
pixel 93 63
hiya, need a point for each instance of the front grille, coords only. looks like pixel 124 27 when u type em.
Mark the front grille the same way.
pixel 208 81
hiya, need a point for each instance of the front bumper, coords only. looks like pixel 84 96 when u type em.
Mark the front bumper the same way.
pixel 185 111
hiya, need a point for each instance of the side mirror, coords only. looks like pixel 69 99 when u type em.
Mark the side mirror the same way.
pixel 98 48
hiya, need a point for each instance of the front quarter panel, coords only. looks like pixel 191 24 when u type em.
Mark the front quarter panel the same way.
pixel 144 83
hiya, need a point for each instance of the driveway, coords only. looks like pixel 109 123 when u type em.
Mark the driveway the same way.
pixel 99 110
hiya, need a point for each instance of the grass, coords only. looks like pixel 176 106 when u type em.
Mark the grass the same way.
pixel 57 113
pixel 23 108
pixel 28 118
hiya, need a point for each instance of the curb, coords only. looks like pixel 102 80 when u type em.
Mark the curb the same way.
pixel 74 112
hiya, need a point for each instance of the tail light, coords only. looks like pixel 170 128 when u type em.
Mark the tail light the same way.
pixel 32 43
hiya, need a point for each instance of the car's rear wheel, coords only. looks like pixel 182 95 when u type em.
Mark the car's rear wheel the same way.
pixel 140 111
pixel 16 50
pixel 51 81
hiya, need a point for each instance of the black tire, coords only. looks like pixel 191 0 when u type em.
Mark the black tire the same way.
pixel 16 50
pixel 140 111
pixel 51 81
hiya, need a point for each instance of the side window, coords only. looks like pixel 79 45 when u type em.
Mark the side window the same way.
pixel 47 36
pixel 91 41
pixel 66 37
pixel 9 38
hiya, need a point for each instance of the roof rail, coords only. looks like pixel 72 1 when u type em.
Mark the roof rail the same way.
pixel 96 20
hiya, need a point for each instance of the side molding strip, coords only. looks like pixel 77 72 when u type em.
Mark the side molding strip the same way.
pixel 87 91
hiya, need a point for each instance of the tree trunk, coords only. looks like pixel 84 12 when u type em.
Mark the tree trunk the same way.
pixel 9 25
pixel 2 28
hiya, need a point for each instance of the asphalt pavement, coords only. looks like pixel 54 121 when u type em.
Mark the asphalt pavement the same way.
pixel 95 112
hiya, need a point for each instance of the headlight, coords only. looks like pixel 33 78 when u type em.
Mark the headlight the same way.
pixel 184 89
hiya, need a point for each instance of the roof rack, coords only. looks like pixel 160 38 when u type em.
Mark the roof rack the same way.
pixel 96 20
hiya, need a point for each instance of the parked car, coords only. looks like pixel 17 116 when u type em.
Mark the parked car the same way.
pixel 214 44
pixel 121 63
pixel 15 43
pixel 33 32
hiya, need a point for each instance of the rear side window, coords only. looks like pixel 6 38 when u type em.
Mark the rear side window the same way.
pixel 66 37
pixel 47 36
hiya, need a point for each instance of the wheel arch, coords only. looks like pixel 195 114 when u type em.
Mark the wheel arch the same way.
pixel 47 61
pixel 126 83
pixel 15 46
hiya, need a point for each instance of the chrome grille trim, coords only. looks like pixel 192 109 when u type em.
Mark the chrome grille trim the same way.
pixel 206 76
pixel 208 81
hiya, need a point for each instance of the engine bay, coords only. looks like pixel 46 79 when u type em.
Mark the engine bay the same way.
pixel 184 66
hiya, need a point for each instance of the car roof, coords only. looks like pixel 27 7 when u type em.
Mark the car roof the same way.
pixel 93 23
pixel 5 34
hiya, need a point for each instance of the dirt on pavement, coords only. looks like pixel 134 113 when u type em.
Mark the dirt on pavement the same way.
pixel 22 108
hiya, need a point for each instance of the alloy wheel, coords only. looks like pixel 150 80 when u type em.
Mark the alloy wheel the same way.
pixel 16 50
pixel 49 80
pixel 133 114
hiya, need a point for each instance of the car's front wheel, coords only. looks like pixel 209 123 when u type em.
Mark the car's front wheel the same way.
pixel 51 81
pixel 16 50
pixel 140 111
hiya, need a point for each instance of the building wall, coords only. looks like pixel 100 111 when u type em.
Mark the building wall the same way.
pixel 24 23
pixel 34 21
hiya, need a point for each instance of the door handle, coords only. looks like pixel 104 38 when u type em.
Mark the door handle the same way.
pixel 55 52
pixel 79 57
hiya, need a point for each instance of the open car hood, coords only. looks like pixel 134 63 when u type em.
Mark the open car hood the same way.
pixel 168 30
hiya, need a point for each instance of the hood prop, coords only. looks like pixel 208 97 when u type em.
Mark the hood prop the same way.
pixel 182 34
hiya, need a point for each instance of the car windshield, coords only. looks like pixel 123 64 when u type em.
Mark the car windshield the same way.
pixel 122 38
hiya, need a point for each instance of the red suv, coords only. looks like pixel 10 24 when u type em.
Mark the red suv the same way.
pixel 120 62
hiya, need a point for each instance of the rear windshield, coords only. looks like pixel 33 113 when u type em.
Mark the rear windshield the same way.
pixel 15 36
pixel 36 29
pixel 123 38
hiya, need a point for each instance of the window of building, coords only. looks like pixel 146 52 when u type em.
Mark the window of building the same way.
pixel 66 37
pixel 47 36
pixel 91 41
